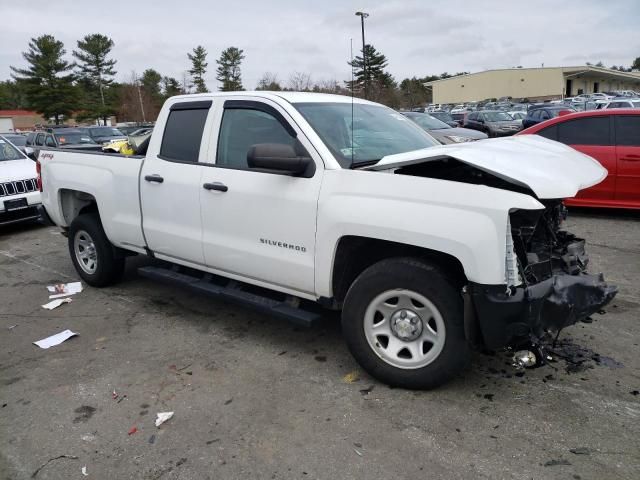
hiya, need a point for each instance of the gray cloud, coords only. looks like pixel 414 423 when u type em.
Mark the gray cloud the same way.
pixel 283 36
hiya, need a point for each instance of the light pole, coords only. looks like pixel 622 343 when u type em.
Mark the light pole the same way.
pixel 362 16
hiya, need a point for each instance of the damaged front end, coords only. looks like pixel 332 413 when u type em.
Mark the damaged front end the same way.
pixel 547 287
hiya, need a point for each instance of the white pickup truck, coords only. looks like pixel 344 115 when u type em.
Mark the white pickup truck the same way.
pixel 289 200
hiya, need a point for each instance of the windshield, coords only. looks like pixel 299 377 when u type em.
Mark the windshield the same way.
pixel 17 140
pixel 428 122
pixel 444 116
pixel 497 116
pixel 106 132
pixel 377 131
pixel 8 151
pixel 73 138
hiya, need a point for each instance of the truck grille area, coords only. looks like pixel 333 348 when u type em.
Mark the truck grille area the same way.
pixel 543 249
pixel 17 187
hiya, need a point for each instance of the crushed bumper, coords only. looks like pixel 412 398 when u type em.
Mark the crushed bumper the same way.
pixel 527 312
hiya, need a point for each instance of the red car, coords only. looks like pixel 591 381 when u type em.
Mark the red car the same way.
pixel 613 138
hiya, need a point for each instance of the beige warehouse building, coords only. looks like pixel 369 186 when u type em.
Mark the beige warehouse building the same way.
pixel 546 83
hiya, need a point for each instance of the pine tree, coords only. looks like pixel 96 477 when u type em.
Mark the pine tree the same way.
pixel 199 68
pixel 636 64
pixel 373 73
pixel 95 73
pixel 48 80
pixel 170 87
pixel 228 71
pixel 150 82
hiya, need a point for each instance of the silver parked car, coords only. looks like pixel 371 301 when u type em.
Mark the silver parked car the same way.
pixel 443 132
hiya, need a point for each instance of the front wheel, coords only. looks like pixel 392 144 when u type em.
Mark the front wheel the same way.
pixel 403 322
pixel 92 253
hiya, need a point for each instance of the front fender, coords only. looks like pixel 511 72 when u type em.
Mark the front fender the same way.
pixel 468 222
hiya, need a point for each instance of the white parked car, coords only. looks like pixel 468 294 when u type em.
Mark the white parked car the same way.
pixel 623 103
pixel 285 199
pixel 600 96
pixel 19 195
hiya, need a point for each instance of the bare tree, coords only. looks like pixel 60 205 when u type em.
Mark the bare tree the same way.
pixel 329 86
pixel 269 81
pixel 300 82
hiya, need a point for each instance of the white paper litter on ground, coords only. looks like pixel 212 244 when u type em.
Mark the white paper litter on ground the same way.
pixel 56 339
pixel 163 417
pixel 64 289
pixel 84 471
pixel 56 303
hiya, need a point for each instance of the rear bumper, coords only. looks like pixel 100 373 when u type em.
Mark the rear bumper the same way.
pixel 525 314
pixel 46 219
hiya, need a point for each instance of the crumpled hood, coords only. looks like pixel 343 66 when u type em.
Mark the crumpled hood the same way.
pixel 17 169
pixel 550 169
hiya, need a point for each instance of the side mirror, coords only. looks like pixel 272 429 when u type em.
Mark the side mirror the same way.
pixel 30 152
pixel 281 158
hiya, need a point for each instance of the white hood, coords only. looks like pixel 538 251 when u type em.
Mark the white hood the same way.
pixel 17 169
pixel 551 169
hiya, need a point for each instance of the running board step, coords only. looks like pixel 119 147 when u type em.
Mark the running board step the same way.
pixel 232 292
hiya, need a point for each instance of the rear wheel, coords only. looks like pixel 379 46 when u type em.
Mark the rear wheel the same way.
pixel 403 322
pixel 92 253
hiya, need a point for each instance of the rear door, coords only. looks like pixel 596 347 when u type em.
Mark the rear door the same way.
pixel 627 135
pixel 593 136
pixel 259 225
pixel 170 184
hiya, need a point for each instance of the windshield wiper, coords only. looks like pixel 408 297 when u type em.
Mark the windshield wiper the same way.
pixel 364 163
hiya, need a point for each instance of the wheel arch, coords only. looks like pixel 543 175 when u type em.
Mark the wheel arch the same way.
pixel 74 203
pixel 354 254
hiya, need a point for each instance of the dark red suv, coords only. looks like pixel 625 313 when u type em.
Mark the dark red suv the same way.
pixel 613 138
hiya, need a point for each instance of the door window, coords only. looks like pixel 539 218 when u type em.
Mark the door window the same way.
pixel 183 132
pixel 550 132
pixel 241 129
pixel 30 139
pixel 40 139
pixel 585 131
pixel 49 142
pixel 628 130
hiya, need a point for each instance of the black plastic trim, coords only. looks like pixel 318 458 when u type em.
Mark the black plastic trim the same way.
pixel 197 105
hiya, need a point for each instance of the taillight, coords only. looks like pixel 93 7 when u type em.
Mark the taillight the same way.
pixel 39 175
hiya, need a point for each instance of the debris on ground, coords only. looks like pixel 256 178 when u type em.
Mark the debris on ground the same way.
pixel 579 358
pixel 84 471
pixel 553 463
pixel 56 339
pixel 635 392
pixel 152 439
pixel 34 474
pixel 56 303
pixel 359 453
pixel 367 391
pixel 132 430
pixel 64 289
pixel 351 377
pixel 163 417
pixel 114 394
pixel 580 451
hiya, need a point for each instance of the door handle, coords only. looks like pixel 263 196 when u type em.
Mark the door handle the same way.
pixel 154 178
pixel 631 158
pixel 220 187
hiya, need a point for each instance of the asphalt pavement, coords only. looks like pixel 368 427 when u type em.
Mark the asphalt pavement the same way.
pixel 255 397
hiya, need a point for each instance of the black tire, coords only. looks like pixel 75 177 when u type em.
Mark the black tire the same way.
pixel 109 267
pixel 425 279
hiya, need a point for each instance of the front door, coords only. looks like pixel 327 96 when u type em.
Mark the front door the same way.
pixel 170 184
pixel 258 225
pixel 627 128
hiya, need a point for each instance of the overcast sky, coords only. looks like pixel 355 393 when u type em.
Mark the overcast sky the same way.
pixel 419 37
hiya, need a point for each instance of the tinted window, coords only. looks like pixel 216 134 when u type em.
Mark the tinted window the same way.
pixel 40 139
pixel 585 131
pixel 17 140
pixel 30 138
pixel 628 130
pixel 535 115
pixel 49 141
pixel 241 129
pixel 550 132
pixel 183 135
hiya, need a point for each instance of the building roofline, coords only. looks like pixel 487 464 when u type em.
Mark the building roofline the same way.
pixel 586 68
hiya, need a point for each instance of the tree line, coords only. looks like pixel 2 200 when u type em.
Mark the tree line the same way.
pixel 86 88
